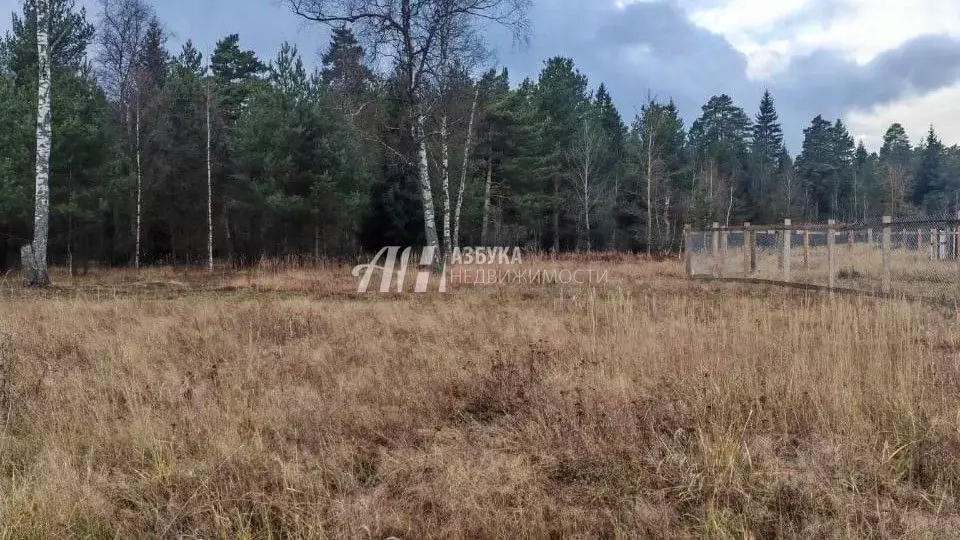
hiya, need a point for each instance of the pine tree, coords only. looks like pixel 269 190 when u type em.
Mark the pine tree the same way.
pixel 494 129
pixel 842 155
pixel 236 76
pixel 561 98
pixel 345 77
pixel 719 140
pixel 39 151
pixel 235 72
pixel 528 166
pixel 68 52
pixel 767 143
pixel 177 127
pixel 895 157
pixel 611 170
pixel 929 191
pixel 816 169
pixel 17 129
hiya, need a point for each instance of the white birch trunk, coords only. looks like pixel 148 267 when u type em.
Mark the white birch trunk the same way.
pixel 209 189
pixel 463 171
pixel 485 220
pixel 136 257
pixel 445 181
pixel 586 198
pixel 730 205
pixel 650 143
pixel 35 263
pixel 426 191
pixel 667 226
pixel 587 146
pixel 616 200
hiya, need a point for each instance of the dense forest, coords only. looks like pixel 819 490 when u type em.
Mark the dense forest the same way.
pixel 156 152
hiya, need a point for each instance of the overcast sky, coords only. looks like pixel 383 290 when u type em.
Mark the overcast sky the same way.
pixel 871 62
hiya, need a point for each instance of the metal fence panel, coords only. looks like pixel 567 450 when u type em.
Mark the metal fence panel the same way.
pixel 917 258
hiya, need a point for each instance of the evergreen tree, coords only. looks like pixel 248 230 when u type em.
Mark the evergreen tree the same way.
pixel 611 168
pixel 325 163
pixel 767 144
pixel 80 144
pixel 176 185
pixel 930 191
pixel 529 172
pixel 494 130
pixel 816 169
pixel 895 158
pixel 562 102
pixel 235 73
pixel 344 75
pixel 719 140
pixel 865 189
pixel 841 184
pixel 72 34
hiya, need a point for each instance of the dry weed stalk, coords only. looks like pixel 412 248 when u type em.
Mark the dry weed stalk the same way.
pixel 279 403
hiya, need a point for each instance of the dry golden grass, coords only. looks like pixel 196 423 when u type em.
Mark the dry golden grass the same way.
pixel 282 404
pixel 913 273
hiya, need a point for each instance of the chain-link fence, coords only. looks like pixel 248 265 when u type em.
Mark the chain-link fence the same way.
pixel 917 258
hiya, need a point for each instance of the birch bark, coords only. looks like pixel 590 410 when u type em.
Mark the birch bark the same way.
pixel 35 255
pixel 463 171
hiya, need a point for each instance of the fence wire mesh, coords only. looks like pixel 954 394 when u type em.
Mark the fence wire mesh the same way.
pixel 922 256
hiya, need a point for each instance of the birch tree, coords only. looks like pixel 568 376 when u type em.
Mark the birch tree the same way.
pixel 467 147
pixel 209 183
pixel 495 119
pixel 651 128
pixel 459 51
pixel 123 33
pixel 407 32
pixel 34 256
pixel 585 159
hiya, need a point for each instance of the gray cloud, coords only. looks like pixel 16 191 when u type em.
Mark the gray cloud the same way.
pixel 919 66
pixel 652 48
pixel 647 48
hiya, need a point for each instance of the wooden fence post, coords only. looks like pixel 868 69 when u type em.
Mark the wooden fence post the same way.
pixel 724 251
pixel 688 250
pixel 954 247
pixel 716 249
pixel 831 255
pixel 748 244
pixel 919 240
pixel 779 236
pixel 887 233
pixel 787 239
pixel 956 237
pixel 806 249
pixel 933 245
pixel 870 238
pixel 851 239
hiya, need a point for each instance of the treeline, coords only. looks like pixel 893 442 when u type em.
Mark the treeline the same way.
pixel 331 162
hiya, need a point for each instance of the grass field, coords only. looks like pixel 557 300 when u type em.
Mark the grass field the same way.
pixel 912 272
pixel 279 403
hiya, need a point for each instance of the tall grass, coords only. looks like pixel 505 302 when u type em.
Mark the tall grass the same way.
pixel 282 404
pixel 913 272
